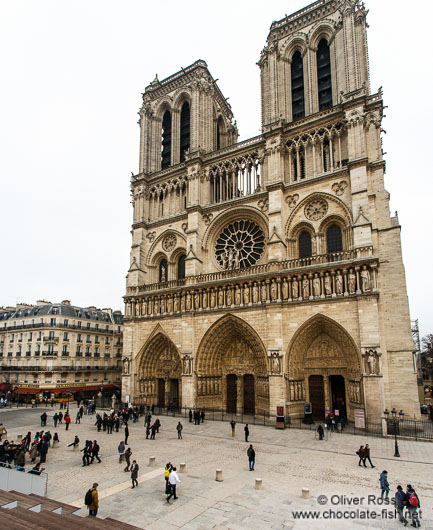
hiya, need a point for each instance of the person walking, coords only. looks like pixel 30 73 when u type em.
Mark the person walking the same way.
pixel 91 500
pixel 95 452
pixel 157 425
pixel 168 468
pixel 367 455
pixel 190 415
pixel 43 452
pixel 173 480
pixel 75 442
pixel 147 431
pixel 67 421
pixel 384 484
pixel 321 432
pixel 251 457
pixel 128 454
pixel 86 454
pixel 78 417
pixel 121 450
pixel 247 432
pixel 60 417
pixel 153 431
pixel 134 473
pixel 179 428
pixel 400 504
pixel 360 453
pixel 55 419
pixel 233 425
pixel 126 434
pixel 412 503
pixel 43 419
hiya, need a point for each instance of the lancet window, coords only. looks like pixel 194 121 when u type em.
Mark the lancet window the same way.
pixel 334 239
pixel 324 80
pixel 185 128
pixel 297 78
pixel 305 249
pixel 167 199
pixel 166 140
pixel 181 267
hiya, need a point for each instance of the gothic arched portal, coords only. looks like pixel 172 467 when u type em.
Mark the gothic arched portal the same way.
pixel 323 367
pixel 231 368
pixel 159 372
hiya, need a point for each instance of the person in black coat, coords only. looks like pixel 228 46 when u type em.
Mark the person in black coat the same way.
pixel 126 434
pixel 247 432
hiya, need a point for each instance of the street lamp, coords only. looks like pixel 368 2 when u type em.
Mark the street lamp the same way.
pixel 395 421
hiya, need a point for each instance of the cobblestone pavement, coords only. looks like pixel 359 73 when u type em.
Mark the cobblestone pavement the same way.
pixel 286 461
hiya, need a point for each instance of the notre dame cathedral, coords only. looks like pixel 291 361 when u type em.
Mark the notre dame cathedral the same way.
pixel 269 272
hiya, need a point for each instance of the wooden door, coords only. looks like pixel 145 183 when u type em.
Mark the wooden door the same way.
pixel 317 396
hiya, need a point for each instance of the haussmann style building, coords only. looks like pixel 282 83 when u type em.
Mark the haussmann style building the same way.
pixel 269 272
pixel 58 350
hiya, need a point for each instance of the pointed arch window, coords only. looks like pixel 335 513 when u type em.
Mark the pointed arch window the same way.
pixel 334 239
pixel 163 270
pixel 185 127
pixel 297 74
pixel 324 82
pixel 305 250
pixel 166 140
pixel 181 267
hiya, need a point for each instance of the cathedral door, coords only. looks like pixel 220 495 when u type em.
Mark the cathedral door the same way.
pixel 161 393
pixel 249 395
pixel 174 392
pixel 317 397
pixel 231 393
pixel 338 394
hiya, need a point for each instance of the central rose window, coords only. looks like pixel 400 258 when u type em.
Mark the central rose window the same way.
pixel 240 245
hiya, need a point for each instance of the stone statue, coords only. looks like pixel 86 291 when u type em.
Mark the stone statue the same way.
pixel 255 293
pixel 352 282
pixel 316 286
pixel 204 303
pixel 305 288
pixel 156 305
pixel 144 307
pixel 163 304
pixel 273 290
pixel 328 285
pixel 339 284
pixel 365 279
pixel 163 274
pixel 212 298
pixel 169 304
pixel 285 289
pixel 246 294
pixel 372 362
pixel 125 366
pixel 229 296
pixel 176 304
pixel 276 368
pixel 263 293
pixel 197 300
pixel 188 301
pixel 187 365
pixel 236 261
pixel 237 295
pixel 230 258
pixel 295 289
pixel 113 401
pixel 220 298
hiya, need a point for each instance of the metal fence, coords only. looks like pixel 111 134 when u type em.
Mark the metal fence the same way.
pixel 408 428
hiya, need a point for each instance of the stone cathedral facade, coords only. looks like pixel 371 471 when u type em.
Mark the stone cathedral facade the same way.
pixel 269 272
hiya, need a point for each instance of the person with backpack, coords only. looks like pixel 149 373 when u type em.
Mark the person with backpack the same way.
pixel 400 503
pixel 361 455
pixel 91 500
pixel 251 457
pixel 134 473
pixel 121 451
pixel 412 503
pixel 367 455
pixel 384 484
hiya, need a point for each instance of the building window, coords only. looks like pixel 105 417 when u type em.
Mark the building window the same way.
pixel 299 164
pixel 297 74
pixel 88 351
pixel 166 140
pixel 163 271
pixel 65 350
pixel 39 335
pixel 19 350
pixel 88 338
pixel 52 321
pixel 324 82
pixel 78 351
pixel 107 340
pixel 97 339
pixel 96 326
pixel 30 336
pixel 78 324
pixel 65 336
pixel 51 335
pixel 20 337
pixel 79 337
pixel 11 338
pixel 181 267
pixel 305 244
pixel 184 130
pixel 334 240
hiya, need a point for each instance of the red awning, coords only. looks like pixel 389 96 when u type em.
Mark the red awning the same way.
pixel 26 391
pixel 64 389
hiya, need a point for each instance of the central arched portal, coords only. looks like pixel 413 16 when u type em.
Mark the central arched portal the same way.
pixel 159 373
pixel 231 369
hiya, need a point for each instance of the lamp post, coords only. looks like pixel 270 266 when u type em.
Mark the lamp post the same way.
pixel 395 421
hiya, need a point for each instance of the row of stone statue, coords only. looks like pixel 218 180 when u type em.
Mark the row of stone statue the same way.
pixel 296 390
pixel 302 287
pixel 208 386
pixel 355 392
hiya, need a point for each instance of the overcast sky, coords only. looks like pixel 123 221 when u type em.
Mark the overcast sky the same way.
pixel 71 79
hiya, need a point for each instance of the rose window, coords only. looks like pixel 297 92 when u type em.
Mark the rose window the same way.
pixel 316 209
pixel 240 244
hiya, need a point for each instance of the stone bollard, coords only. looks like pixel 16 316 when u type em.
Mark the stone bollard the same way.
pixel 76 448
pixel 151 461
pixel 305 493
pixel 219 475
pixel 258 483
pixel 55 444
pixel 182 468
pixel 19 437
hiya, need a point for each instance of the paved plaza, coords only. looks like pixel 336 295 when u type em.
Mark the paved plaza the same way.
pixel 286 461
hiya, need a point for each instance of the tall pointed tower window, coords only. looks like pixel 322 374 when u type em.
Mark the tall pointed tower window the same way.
pixel 324 81
pixel 166 140
pixel 184 130
pixel 297 71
